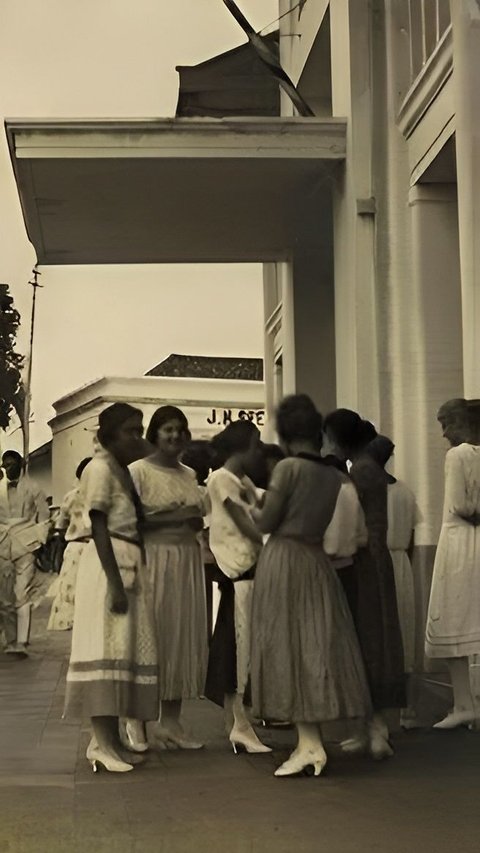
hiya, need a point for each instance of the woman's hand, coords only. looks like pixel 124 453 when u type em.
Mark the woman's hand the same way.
pixel 118 601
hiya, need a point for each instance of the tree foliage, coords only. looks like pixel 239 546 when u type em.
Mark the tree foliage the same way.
pixel 12 395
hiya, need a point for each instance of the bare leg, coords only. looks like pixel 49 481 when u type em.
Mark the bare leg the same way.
pixel 309 752
pixel 463 704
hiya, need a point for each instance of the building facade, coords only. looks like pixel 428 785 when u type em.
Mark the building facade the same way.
pixel 365 216
pixel 382 313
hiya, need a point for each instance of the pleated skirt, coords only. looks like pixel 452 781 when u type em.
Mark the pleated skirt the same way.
pixel 306 664
pixel 176 577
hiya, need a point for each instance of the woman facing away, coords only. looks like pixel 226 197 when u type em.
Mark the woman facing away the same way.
pixel 375 609
pixel 68 524
pixel 403 516
pixel 173 508
pixel 453 622
pixel 235 542
pixel 306 665
pixel 113 666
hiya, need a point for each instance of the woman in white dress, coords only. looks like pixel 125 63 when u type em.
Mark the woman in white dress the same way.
pixel 69 524
pixel 173 507
pixel 113 667
pixel 235 542
pixel 453 623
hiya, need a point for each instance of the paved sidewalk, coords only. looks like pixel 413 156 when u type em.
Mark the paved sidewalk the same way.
pixel 426 799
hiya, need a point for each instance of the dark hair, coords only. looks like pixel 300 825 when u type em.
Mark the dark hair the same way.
pixel 81 467
pixel 298 418
pixel 350 431
pixel 380 449
pixel 235 438
pixel 13 454
pixel 198 456
pixel 273 451
pixel 161 417
pixel 112 418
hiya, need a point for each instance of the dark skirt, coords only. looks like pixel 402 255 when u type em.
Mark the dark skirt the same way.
pixel 222 658
pixel 378 627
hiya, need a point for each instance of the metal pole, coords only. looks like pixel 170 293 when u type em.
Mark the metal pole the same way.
pixel 28 385
pixel 268 57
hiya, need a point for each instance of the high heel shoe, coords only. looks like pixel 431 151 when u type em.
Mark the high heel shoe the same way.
pixel 98 758
pixel 132 736
pixel 247 739
pixel 456 719
pixel 303 762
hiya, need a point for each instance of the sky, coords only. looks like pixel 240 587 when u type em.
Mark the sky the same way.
pixel 114 59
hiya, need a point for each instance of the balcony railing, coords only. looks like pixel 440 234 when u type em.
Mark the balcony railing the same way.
pixel 428 22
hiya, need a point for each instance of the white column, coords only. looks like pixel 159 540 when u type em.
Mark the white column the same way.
pixel 432 344
pixel 466 75
pixel 354 212
pixel 285 273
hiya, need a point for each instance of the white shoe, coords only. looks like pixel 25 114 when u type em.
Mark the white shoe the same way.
pixel 248 740
pixel 456 719
pixel 19 649
pixel 98 758
pixel 302 762
pixel 132 735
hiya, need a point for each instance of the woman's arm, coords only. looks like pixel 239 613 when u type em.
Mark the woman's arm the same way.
pixel 103 544
pixel 243 521
pixel 269 516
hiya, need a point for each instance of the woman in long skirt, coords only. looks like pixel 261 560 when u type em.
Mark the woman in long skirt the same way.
pixel 173 506
pixel 306 665
pixel 235 542
pixel 375 610
pixel 113 666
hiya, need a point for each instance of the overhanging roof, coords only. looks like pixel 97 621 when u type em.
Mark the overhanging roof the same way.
pixel 171 190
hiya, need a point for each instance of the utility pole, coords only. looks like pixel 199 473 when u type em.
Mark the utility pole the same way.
pixel 268 57
pixel 28 384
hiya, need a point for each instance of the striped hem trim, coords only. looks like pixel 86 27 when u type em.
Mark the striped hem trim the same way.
pixel 113 665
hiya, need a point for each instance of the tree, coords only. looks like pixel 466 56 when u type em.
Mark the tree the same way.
pixel 12 393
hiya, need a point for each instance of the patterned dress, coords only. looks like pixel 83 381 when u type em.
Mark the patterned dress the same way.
pixel 113 665
pixel 63 606
pixel 176 578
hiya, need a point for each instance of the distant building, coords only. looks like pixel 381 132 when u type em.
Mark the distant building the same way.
pixel 211 391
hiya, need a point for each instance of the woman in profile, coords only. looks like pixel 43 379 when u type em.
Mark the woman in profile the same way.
pixel 306 665
pixel 113 666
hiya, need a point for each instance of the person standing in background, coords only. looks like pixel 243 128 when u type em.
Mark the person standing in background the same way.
pixel 403 517
pixel 69 525
pixel 25 511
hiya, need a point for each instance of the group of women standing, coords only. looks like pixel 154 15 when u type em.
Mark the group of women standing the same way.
pixel 308 628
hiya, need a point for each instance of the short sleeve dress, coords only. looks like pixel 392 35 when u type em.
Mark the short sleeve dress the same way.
pixel 113 661
pixel 453 622
pixel 306 664
pixel 71 515
pixel 176 576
